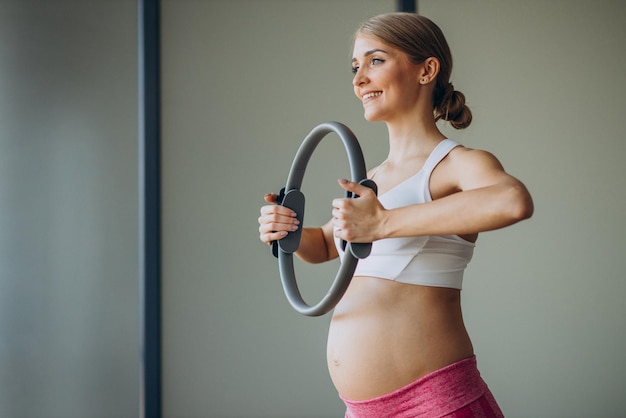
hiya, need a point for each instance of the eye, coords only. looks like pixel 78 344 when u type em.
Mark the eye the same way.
pixel 373 61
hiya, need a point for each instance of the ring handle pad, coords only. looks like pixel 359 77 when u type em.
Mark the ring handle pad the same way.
pixel 360 249
pixel 294 200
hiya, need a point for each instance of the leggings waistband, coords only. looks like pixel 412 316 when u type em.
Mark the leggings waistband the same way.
pixel 437 394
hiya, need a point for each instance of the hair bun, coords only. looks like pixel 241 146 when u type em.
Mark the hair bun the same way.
pixel 451 107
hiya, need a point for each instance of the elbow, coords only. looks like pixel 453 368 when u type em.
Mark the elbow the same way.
pixel 520 205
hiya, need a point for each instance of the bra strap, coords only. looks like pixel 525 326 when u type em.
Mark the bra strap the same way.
pixel 439 153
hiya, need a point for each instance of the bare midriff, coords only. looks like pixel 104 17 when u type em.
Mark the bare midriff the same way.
pixel 385 335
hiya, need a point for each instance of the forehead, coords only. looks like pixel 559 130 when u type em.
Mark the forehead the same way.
pixel 366 45
pixel 363 44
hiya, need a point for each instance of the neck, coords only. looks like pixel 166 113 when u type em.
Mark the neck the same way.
pixel 413 137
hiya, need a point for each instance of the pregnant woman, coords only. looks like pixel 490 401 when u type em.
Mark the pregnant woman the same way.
pixel 397 344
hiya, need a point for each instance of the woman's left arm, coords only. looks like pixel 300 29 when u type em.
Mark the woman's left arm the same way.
pixel 486 198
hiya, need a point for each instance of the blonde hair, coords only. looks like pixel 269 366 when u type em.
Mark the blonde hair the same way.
pixel 420 38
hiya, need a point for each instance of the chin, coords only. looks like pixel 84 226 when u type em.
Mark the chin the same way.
pixel 369 116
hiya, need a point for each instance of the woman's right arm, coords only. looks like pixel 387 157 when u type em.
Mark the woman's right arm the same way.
pixel 316 245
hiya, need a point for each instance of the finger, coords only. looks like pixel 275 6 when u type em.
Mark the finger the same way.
pixel 338 233
pixel 278 210
pixel 354 187
pixel 272 236
pixel 340 204
pixel 270 225
pixel 275 219
pixel 337 213
pixel 338 223
pixel 270 197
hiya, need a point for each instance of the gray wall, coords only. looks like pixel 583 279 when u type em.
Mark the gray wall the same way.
pixel 243 83
pixel 68 209
pixel 544 300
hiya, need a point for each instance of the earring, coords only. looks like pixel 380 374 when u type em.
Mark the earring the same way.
pixel 424 80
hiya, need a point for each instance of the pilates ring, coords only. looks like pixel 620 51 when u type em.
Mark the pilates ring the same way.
pixel 291 196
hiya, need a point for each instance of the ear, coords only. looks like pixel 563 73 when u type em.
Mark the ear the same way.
pixel 429 70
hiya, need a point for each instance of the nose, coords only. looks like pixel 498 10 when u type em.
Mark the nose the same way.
pixel 360 78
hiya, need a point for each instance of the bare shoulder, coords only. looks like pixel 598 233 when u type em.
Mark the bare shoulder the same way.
pixel 473 158
pixel 473 168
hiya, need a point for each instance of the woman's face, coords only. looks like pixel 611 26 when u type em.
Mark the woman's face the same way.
pixel 385 81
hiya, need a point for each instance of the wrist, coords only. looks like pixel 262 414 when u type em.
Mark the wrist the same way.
pixel 384 228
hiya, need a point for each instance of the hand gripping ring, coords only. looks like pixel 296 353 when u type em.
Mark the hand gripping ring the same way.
pixel 292 197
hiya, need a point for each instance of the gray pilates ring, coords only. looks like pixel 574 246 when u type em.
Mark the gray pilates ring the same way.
pixel 292 198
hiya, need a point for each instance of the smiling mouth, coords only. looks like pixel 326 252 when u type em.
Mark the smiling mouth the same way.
pixel 372 94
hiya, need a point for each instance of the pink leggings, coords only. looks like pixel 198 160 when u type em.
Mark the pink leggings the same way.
pixel 455 391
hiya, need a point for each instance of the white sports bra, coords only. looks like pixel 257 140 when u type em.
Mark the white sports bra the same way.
pixel 436 260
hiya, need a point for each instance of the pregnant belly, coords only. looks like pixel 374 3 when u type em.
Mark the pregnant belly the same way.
pixel 385 335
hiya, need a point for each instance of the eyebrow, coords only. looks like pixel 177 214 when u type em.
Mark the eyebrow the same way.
pixel 372 51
